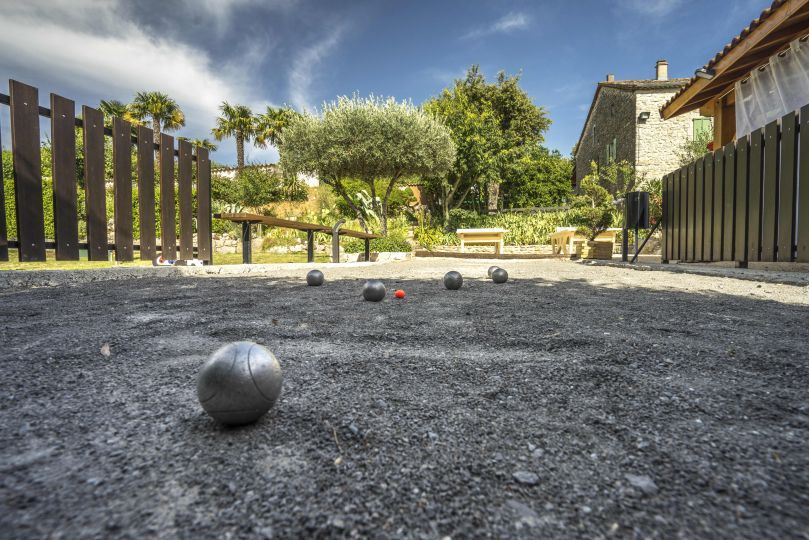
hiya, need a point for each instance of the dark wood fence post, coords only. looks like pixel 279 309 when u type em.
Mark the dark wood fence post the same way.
pixel 168 231
pixel 146 198
pixel 699 228
pixel 204 238
pixel 803 189
pixel 769 192
pixel 742 196
pixel 95 191
pixel 675 190
pixel 664 218
pixel 684 211
pixel 787 182
pixel 122 188
pixel 692 207
pixel 729 201
pixel 718 200
pixel 27 171
pixel 755 198
pixel 707 246
pixel 185 200
pixel 63 166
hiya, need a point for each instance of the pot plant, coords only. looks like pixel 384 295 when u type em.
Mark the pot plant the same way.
pixel 594 215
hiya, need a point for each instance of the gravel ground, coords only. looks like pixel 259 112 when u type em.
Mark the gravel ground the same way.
pixel 573 401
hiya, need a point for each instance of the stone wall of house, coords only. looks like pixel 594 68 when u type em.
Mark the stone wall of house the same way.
pixel 658 140
pixel 613 116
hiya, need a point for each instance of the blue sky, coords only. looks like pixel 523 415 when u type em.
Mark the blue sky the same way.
pixel 302 52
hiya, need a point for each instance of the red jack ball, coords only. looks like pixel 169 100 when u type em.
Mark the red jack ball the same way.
pixel 399 294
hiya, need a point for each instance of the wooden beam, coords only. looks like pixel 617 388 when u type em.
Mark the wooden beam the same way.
pixel 685 101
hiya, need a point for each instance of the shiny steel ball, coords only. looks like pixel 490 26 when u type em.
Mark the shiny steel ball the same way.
pixel 499 276
pixel 374 290
pixel 239 383
pixel 453 280
pixel 492 269
pixel 314 278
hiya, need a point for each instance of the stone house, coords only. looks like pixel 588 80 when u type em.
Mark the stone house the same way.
pixel 624 123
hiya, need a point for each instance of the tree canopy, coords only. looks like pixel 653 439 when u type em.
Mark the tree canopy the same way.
pixel 367 139
pixel 235 121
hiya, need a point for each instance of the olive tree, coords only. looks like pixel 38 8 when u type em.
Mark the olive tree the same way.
pixel 368 139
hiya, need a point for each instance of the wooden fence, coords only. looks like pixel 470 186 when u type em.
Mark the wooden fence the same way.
pixel 745 202
pixel 31 243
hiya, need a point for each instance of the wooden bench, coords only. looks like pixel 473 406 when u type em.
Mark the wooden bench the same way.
pixel 247 220
pixel 482 236
pixel 563 239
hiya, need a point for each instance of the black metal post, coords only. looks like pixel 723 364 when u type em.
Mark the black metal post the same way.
pixel 310 246
pixel 625 244
pixel 637 251
pixel 247 244
pixel 367 250
pixel 636 241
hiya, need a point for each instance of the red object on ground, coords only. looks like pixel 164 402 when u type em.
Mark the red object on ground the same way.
pixel 399 294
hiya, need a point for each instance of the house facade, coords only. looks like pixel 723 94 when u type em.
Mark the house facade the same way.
pixel 624 124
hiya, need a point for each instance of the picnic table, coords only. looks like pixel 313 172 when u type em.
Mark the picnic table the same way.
pixel 564 238
pixel 482 236
pixel 247 220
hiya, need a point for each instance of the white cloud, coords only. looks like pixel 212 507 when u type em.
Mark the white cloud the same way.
pixel 304 69
pixel 651 8
pixel 504 25
pixel 112 57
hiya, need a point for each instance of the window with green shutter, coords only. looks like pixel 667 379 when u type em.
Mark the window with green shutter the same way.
pixel 703 128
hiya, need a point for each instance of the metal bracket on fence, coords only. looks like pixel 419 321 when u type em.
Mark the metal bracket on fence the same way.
pixel 638 250
pixel 335 241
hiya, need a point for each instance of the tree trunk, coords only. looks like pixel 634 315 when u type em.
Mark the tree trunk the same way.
pixel 384 216
pixel 239 152
pixel 338 186
pixel 156 132
pixel 375 205
pixel 493 194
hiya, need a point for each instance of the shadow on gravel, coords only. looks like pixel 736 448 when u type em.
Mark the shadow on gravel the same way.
pixel 530 409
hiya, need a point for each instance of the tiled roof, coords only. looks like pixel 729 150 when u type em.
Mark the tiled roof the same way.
pixel 733 43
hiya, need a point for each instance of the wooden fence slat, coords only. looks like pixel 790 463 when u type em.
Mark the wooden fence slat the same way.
pixel 204 247
pixel 707 233
pixel 740 208
pixel 677 214
pixel 672 219
pixel 754 202
pixel 684 213
pixel 94 188
pixel 692 206
pixel 769 192
pixel 803 189
pixel 185 200
pixel 168 232
pixel 786 187
pixel 718 203
pixel 63 167
pixel 699 219
pixel 122 188
pixel 27 164
pixel 146 198
pixel 3 227
pixel 729 201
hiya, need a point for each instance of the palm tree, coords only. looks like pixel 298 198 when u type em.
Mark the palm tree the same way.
pixel 113 108
pixel 158 107
pixel 270 124
pixel 202 143
pixel 236 121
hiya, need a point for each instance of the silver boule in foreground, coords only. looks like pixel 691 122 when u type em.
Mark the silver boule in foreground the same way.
pixel 492 269
pixel 453 280
pixel 314 278
pixel 239 383
pixel 374 290
pixel 499 276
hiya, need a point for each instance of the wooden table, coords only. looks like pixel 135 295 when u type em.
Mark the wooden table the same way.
pixel 564 237
pixel 247 220
pixel 482 236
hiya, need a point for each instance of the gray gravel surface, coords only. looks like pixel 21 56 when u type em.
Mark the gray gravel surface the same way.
pixel 572 401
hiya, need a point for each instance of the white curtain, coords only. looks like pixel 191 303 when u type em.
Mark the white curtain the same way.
pixel 773 90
